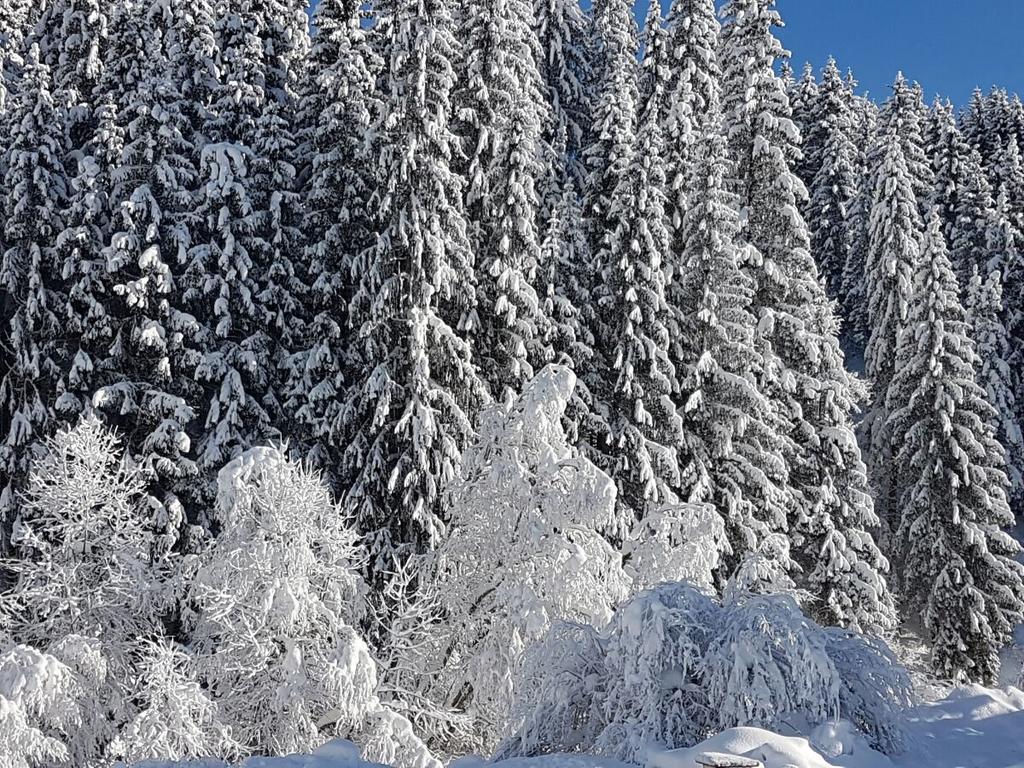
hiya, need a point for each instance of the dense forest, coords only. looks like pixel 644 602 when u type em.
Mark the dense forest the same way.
pixel 343 360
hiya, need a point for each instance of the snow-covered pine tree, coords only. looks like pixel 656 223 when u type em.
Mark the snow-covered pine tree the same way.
pixel 34 204
pixel 1008 173
pixel 338 107
pixel 655 65
pixel 894 253
pixel 693 91
pixel 984 308
pixel 834 186
pixel 638 378
pixel 804 376
pixel 731 452
pixel 975 215
pixel 956 566
pixel 804 97
pixel 409 414
pixel 88 311
pixel 565 69
pixel 904 112
pixel 854 291
pixel 502 117
pixel 614 114
pixel 147 384
pixel 226 270
pixel 72 38
pixel 972 123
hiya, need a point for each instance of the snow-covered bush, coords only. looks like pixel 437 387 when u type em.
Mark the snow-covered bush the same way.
pixel 176 718
pixel 39 706
pixel 271 619
pixel 86 544
pixel 524 550
pixel 675 666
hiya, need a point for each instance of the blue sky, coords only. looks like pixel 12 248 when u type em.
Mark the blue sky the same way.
pixel 948 45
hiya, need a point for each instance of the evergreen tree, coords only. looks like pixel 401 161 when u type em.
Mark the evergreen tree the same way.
pixel 896 231
pixel 956 566
pixel 804 375
pixel 904 113
pixel 565 70
pixel 502 108
pixel 854 291
pixel 408 416
pixel 146 376
pixel 834 186
pixel 984 315
pixel 227 267
pixel 612 132
pixel 339 108
pixel 975 213
pixel 731 453
pixel 34 206
pixel 805 96
pixel 639 381
pixel 654 64
pixel 693 92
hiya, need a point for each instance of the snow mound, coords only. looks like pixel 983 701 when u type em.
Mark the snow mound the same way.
pixel 775 751
pixel 338 753
pixel 973 726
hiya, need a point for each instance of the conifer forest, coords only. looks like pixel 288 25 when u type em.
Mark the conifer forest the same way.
pixel 400 381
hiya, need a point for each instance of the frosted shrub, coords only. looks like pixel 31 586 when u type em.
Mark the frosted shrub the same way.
pixel 524 551
pixel 176 718
pixel 272 615
pixel 86 543
pixel 675 666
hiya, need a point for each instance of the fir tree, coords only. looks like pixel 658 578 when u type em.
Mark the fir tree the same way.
pixel 639 381
pixel 805 96
pixel 34 206
pixel 565 70
pixel 731 454
pixel 896 231
pixel 147 375
pixel 338 110
pixel 956 566
pixel 984 316
pixel 693 92
pixel 904 113
pixel 408 416
pixel 834 186
pixel 804 375
pixel 502 108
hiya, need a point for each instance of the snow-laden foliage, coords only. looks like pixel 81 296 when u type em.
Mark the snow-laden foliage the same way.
pixel 88 547
pixel 675 665
pixel 176 719
pixel 272 615
pixel 524 550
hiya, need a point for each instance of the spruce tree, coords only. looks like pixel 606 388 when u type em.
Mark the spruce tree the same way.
pixel 147 374
pixel 614 112
pixel 975 212
pixel 804 376
pixel 834 186
pixel 639 380
pixel 984 315
pixel 904 113
pixel 805 96
pixel 338 108
pixel 565 70
pixel 693 92
pixel 895 242
pixel 409 415
pixel 957 568
pixel 34 204
pixel 500 101
pixel 731 453
pixel 854 291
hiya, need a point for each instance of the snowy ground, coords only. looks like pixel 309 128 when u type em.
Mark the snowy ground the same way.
pixel 973 727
